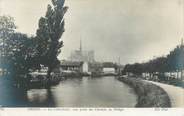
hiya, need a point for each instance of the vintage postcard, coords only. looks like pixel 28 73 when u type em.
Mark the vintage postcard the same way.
pixel 98 54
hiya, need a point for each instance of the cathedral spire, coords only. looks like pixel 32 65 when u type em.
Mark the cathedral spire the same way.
pixel 80 45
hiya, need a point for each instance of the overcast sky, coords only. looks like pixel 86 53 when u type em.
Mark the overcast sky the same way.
pixel 135 30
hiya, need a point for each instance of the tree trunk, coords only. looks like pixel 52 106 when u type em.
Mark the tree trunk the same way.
pixel 181 74
pixel 170 75
pixel 177 74
pixel 48 78
pixel 49 72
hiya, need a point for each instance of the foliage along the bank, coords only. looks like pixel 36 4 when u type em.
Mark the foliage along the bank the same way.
pixel 173 62
pixel 21 54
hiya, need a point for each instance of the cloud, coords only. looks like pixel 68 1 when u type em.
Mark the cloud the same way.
pixel 135 30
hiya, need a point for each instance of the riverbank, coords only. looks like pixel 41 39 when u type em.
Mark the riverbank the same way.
pixel 176 94
pixel 149 95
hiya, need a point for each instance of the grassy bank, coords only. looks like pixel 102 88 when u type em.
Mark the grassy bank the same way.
pixel 149 95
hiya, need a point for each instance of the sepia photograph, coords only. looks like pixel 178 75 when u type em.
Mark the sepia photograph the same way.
pixel 92 54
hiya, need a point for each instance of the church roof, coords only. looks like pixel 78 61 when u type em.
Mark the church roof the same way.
pixel 71 63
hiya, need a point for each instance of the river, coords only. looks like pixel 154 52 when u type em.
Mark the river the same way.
pixel 73 92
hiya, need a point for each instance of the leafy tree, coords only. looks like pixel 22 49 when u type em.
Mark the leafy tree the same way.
pixel 22 53
pixel 17 50
pixel 176 59
pixel 7 28
pixel 174 62
pixel 51 28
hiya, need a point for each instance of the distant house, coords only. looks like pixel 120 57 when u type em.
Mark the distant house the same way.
pixel 71 66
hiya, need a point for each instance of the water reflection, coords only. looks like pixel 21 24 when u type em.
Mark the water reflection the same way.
pixel 73 92
pixel 94 92
pixel 40 98
pixel 11 96
pixel 36 95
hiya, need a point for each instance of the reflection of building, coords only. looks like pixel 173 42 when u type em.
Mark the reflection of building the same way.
pixel 81 55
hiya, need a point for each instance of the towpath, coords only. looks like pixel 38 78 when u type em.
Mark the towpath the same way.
pixel 176 94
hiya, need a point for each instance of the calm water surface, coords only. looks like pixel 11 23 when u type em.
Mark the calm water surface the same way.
pixel 75 92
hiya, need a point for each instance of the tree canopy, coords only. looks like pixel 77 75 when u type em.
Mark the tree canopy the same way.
pixel 173 62
pixel 17 49
pixel 20 53
pixel 51 28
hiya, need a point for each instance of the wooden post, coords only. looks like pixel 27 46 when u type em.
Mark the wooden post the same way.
pixel 181 74
pixel 177 74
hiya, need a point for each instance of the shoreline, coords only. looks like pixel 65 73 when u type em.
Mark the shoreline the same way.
pixel 176 94
pixel 149 95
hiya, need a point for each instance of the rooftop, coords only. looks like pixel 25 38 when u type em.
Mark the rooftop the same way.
pixel 71 63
